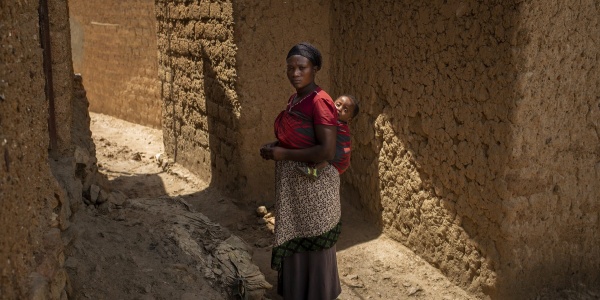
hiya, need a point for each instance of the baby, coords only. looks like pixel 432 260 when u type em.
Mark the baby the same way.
pixel 347 108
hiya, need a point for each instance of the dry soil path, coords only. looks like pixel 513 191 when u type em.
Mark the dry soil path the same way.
pixel 128 256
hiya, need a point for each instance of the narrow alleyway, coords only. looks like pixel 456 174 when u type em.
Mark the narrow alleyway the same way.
pixel 133 252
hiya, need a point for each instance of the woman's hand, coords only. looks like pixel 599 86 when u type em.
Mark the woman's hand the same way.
pixel 266 151
pixel 274 153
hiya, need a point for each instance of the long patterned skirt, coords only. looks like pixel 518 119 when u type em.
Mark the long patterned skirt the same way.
pixel 308 225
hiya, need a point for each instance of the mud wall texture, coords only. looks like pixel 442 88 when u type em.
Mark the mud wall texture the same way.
pixel 34 209
pixel 62 75
pixel 208 51
pixel 197 72
pixel 264 32
pixel 551 209
pixel 114 48
pixel 478 143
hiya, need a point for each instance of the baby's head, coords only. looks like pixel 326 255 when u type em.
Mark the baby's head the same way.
pixel 347 107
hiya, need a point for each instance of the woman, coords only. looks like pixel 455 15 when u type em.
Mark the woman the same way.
pixel 308 212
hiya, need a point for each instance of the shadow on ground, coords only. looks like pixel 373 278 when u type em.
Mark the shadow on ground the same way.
pixel 241 219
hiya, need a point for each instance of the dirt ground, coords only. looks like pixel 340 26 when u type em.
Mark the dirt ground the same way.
pixel 133 252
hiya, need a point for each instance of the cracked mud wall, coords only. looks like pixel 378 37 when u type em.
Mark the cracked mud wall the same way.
pixel 449 154
pixel 34 207
pixel 264 32
pixel 114 48
pixel 200 106
pixel 23 213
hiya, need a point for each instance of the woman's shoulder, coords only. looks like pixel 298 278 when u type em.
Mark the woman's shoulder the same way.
pixel 323 107
pixel 322 95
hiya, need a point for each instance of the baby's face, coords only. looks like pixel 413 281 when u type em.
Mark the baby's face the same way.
pixel 345 108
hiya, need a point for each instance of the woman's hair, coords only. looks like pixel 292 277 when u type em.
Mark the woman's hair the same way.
pixel 355 102
pixel 307 50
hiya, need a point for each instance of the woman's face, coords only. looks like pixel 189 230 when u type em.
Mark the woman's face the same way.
pixel 300 71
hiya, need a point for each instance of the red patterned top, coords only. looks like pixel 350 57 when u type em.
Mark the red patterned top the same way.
pixel 294 127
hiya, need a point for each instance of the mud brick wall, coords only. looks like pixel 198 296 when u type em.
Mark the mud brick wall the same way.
pixel 197 72
pixel 551 204
pixel 264 32
pixel 114 48
pixel 478 143
pixel 33 208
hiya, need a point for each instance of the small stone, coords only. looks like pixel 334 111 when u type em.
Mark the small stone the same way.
pixel 82 156
pixel 111 199
pixel 136 156
pixel 94 191
pixel 261 211
pixel 241 226
pixel 159 159
pixel 262 221
pixel 352 276
pixel 104 208
pixel 102 197
pixel 118 198
pixel 413 290
pixel 54 220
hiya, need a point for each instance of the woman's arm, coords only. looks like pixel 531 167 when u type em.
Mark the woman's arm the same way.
pixel 324 150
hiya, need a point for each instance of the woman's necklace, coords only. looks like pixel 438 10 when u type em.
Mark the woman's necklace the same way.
pixel 292 104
